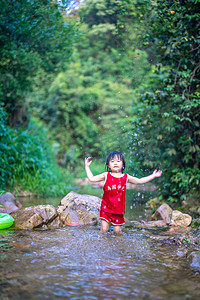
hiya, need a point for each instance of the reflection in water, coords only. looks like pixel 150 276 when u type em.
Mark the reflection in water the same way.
pixel 81 263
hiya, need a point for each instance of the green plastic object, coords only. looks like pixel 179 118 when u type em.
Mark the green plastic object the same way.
pixel 6 220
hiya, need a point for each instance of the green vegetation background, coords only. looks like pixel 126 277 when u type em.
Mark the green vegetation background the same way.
pixel 110 75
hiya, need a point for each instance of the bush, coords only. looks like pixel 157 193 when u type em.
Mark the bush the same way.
pixel 28 162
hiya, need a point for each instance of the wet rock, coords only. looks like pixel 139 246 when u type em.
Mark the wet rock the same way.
pixel 86 207
pixel 26 219
pixel 74 209
pixel 20 245
pixel 149 224
pixel 89 217
pixel 47 212
pixel 180 219
pixel 167 240
pixel 194 260
pixel 172 217
pixel 9 203
pixel 56 223
pixel 69 217
pixel 33 217
pixel 76 201
pixel 164 212
pixel 177 230
pixel 186 239
pixel 181 251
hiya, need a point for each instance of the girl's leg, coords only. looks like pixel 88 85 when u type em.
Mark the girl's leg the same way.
pixel 117 229
pixel 104 226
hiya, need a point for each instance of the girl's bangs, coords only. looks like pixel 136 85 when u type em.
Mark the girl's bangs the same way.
pixel 118 156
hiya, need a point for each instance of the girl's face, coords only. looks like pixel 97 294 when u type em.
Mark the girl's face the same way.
pixel 115 164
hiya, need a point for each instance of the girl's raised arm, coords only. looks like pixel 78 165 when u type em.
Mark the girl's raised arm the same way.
pixel 90 176
pixel 146 179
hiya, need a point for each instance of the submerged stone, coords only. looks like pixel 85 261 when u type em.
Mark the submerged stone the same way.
pixel 194 259
pixel 149 224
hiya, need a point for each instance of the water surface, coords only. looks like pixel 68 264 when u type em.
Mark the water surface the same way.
pixel 81 263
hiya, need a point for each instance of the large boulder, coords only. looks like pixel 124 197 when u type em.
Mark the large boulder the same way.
pixel 180 219
pixel 9 203
pixel 70 217
pixel 86 207
pixel 164 212
pixel 33 217
pixel 74 209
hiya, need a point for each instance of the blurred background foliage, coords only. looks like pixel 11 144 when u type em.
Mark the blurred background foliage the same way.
pixel 90 78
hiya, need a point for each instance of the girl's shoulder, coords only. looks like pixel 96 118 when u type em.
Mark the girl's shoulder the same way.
pixel 106 175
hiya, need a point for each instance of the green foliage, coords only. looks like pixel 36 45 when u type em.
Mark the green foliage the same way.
pixel 114 62
pixel 132 84
pixel 197 224
pixel 70 111
pixel 98 166
pixel 85 106
pixel 172 32
pixel 27 161
pixel 35 40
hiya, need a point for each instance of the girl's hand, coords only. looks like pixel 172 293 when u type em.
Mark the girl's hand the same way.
pixel 87 161
pixel 157 173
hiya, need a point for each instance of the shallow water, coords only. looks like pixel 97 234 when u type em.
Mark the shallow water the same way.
pixel 81 263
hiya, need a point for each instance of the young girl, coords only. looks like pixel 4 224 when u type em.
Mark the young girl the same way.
pixel 113 200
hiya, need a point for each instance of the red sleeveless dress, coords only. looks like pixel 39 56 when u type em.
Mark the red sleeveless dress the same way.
pixel 113 200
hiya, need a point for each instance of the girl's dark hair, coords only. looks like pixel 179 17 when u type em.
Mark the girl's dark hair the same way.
pixel 111 156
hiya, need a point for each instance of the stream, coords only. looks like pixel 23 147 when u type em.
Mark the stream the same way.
pixel 81 263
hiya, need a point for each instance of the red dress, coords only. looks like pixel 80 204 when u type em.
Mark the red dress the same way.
pixel 113 200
